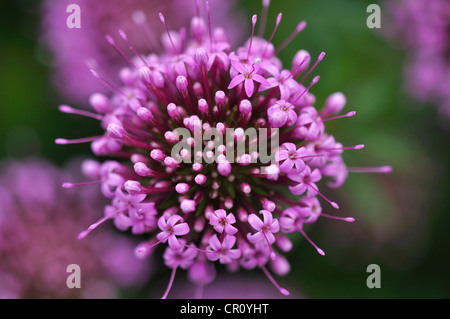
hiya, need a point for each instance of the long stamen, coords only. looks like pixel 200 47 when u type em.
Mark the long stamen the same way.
pixel 334 204
pixel 208 12
pixel 72 185
pixel 70 110
pixel 272 280
pixel 169 286
pixel 163 20
pixel 349 114
pixel 63 141
pixel 123 35
pixel 320 251
pixel 320 58
pixel 345 219
pixel 111 41
pixel 279 16
pixel 109 84
pixel 356 147
pixel 264 12
pixel 376 169
pixel 96 224
pixel 314 81
pixel 254 19
pixel 300 27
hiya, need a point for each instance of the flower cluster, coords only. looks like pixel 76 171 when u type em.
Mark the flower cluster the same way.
pixel 423 27
pixel 216 204
pixel 39 223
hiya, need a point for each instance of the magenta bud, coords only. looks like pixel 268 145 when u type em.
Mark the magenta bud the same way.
pixel 181 83
pixel 200 179
pixel 157 155
pixel 333 104
pixel 203 105
pixel 133 187
pixel 144 114
pixel 220 97
pixel 201 57
pixel 100 103
pixel 116 130
pixel 187 206
pixel 172 110
pixel 170 162
pixel 141 169
pixel 197 167
pixel 224 168
pixel 182 188
pixel 245 107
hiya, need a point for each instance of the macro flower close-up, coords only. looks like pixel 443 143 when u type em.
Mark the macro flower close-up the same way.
pixel 206 149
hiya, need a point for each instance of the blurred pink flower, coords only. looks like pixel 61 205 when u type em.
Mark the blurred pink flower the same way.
pixel 423 29
pixel 39 223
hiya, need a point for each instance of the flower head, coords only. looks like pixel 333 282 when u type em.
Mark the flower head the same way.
pixel 193 139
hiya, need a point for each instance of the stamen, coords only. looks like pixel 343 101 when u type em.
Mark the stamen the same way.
pixel 72 185
pixel 349 114
pixel 345 219
pixel 63 141
pixel 163 20
pixel 320 58
pixel 376 169
pixel 70 110
pixel 272 280
pixel 356 147
pixel 273 33
pixel 123 35
pixel 320 251
pixel 314 81
pixel 109 84
pixel 264 12
pixel 300 27
pixel 334 204
pixel 208 12
pixel 254 19
pixel 96 224
pixel 172 277
pixel 111 41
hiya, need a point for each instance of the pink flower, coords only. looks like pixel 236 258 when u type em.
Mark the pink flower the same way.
pixel 265 230
pixel 247 74
pixel 171 228
pixel 222 251
pixel 291 156
pixel 221 221
pixel 281 113
pixel 306 180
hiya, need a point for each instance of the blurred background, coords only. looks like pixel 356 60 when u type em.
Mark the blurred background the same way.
pixel 402 218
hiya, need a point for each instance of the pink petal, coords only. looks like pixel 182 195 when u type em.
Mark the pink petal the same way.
pixel 228 242
pixel 174 243
pixel 236 80
pixel 234 253
pixel 215 243
pixel 257 237
pixel 290 147
pixel 230 230
pixel 181 229
pixel 238 66
pixel 255 222
pixel 298 189
pixel 249 87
